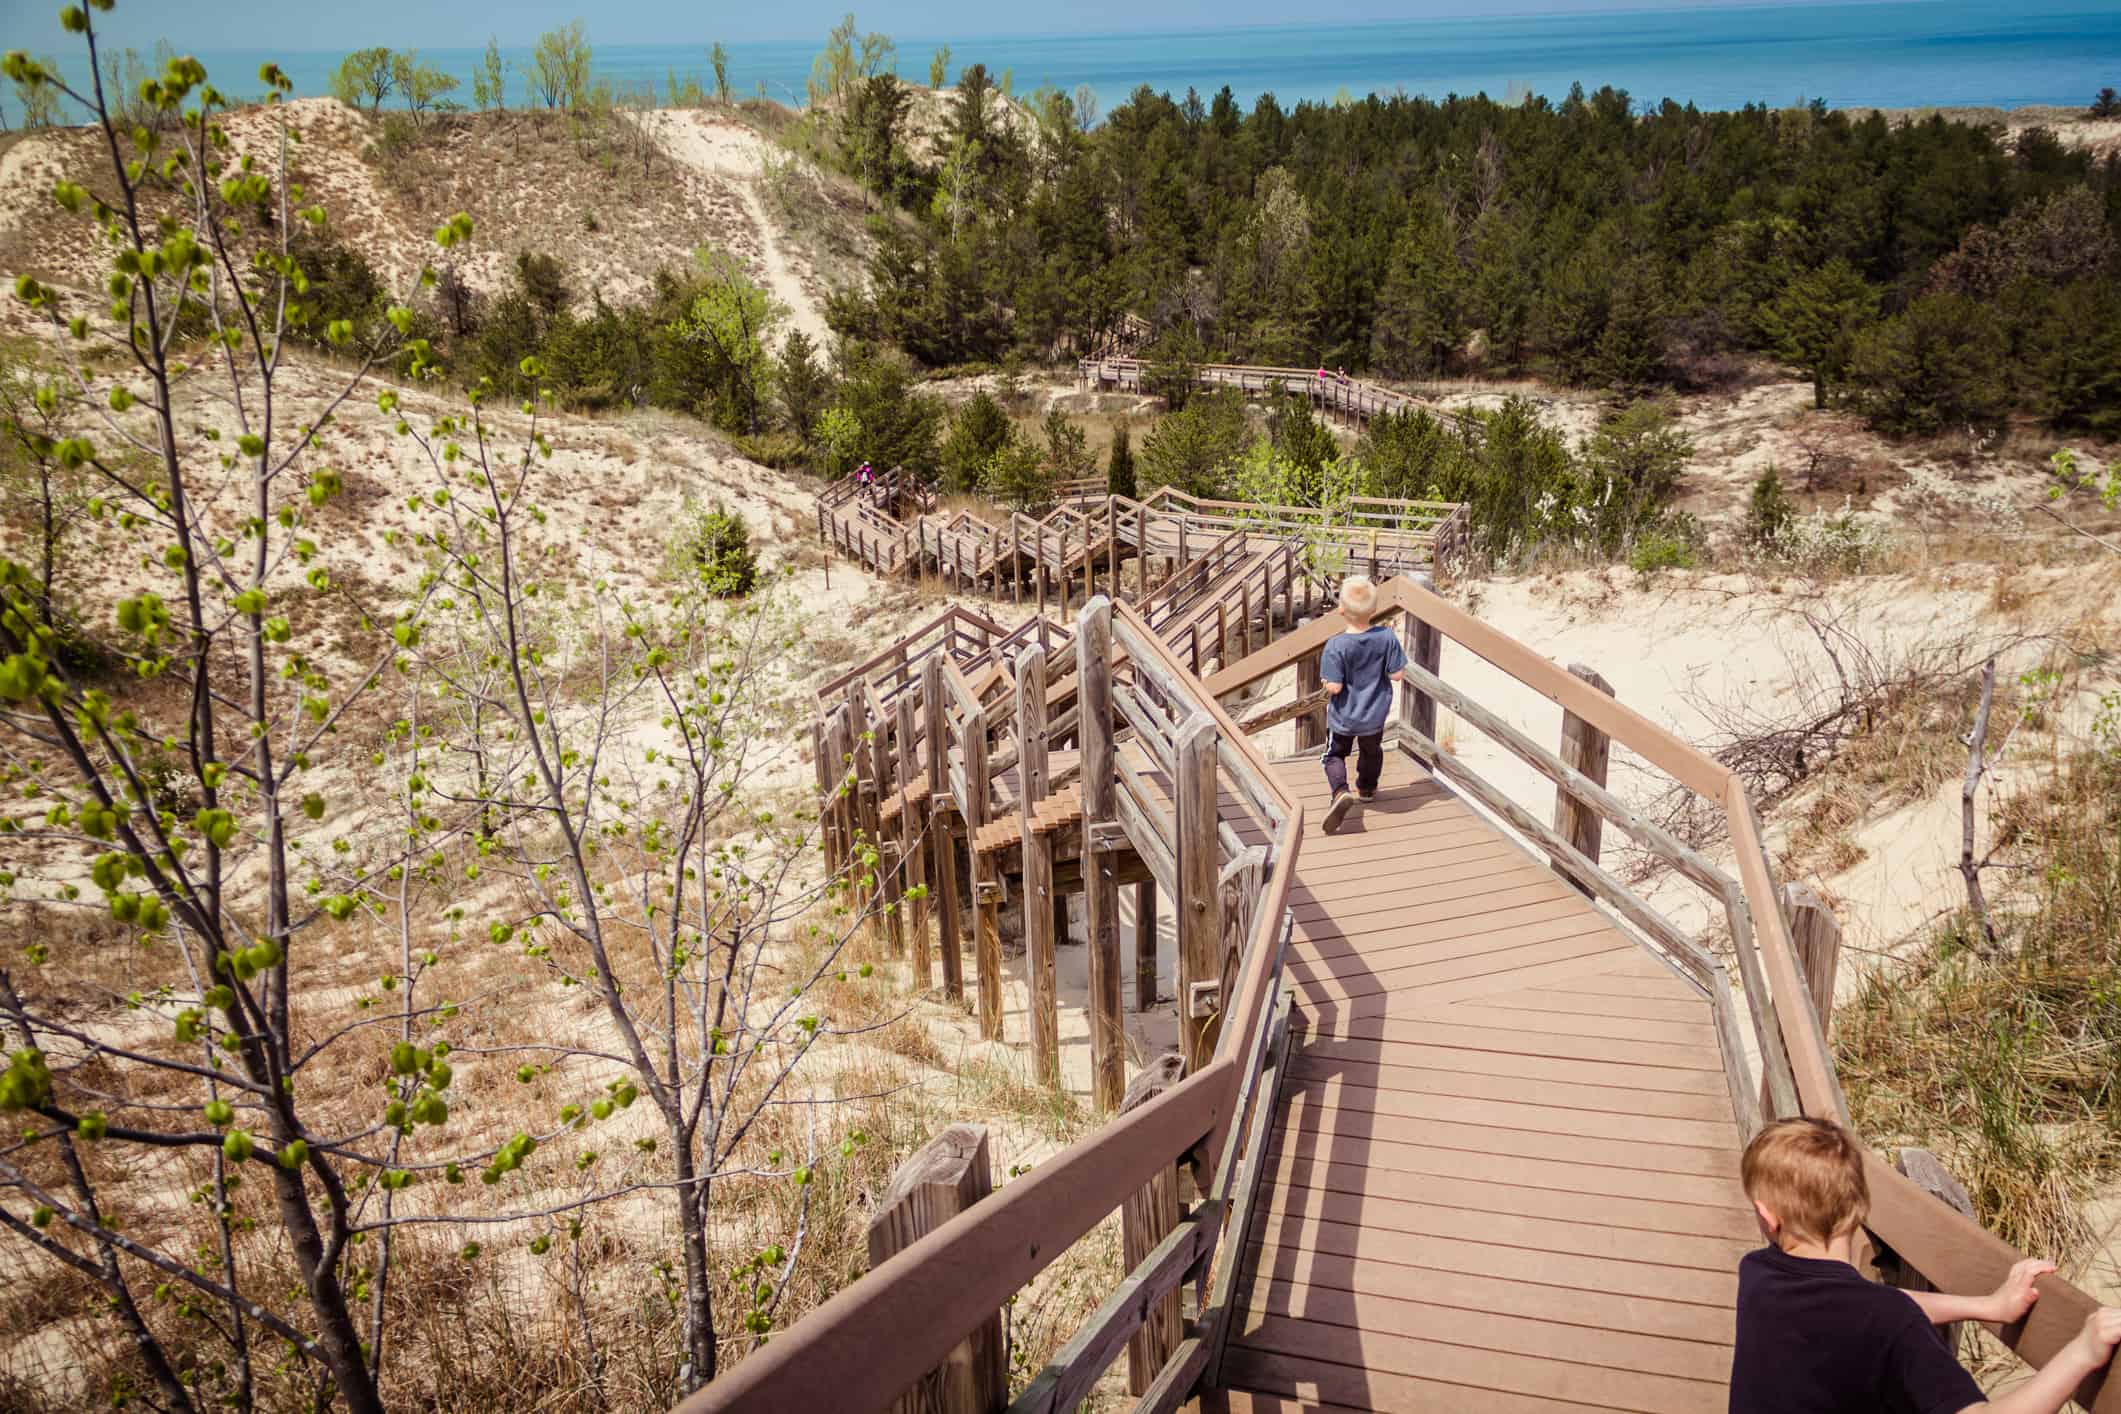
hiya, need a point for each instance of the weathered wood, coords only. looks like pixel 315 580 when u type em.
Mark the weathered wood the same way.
pixel 945 1177
pixel 1811 1064
pixel 1197 899
pixel 1039 932
pixel 1737 1071
pixel 1145 945
pixel 1238 1182
pixel 1304 711
pixel 1585 750
pixel 1146 1220
pixel 875 1337
pixel 1100 785
pixel 1817 937
pixel 1311 725
pixel 1424 651
pixel 941 831
pixel 1778 1083
pixel 1928 1173
pixel 1077 1367
pixel 914 816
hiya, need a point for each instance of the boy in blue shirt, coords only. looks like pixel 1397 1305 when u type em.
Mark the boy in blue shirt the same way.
pixel 1358 667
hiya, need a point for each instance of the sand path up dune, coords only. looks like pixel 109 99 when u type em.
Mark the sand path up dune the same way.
pixel 737 155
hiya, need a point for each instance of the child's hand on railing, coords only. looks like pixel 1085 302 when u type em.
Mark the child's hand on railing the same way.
pixel 2095 1340
pixel 2011 1300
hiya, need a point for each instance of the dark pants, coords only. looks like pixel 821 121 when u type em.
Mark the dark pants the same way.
pixel 1369 750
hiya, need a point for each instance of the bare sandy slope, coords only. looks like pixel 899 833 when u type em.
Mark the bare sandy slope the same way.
pixel 614 208
pixel 1692 651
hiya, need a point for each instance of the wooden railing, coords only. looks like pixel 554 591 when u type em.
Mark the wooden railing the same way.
pixel 1348 398
pixel 1037 555
pixel 1141 713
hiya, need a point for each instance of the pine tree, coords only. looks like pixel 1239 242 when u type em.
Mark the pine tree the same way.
pixel 1119 472
pixel 1813 324
pixel 1421 310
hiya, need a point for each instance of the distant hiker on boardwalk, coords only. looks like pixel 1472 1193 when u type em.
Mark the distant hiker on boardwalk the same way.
pixel 1358 667
pixel 1817 1337
pixel 1342 377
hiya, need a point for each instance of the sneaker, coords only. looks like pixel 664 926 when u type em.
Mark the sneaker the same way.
pixel 1366 796
pixel 1338 811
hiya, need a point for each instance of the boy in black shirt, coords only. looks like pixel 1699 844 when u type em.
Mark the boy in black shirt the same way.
pixel 1814 1337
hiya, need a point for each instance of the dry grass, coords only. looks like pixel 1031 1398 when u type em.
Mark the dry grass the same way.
pixel 2005 1059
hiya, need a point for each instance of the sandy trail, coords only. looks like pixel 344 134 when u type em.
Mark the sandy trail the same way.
pixel 736 155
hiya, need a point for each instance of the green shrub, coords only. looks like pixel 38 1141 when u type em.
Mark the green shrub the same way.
pixel 714 545
pixel 1667 546
pixel 1769 513
pixel 783 451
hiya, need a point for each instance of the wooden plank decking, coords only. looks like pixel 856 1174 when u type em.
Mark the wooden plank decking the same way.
pixel 1504 1176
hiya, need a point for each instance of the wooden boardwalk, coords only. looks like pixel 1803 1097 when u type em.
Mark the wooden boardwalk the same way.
pixel 1504 1170
pixel 1462 1139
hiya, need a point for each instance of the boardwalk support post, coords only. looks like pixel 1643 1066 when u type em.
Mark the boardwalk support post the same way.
pixel 1586 750
pixel 1039 929
pixel 1926 1172
pixel 1145 945
pixel 913 852
pixel 1199 901
pixel 942 833
pixel 1100 788
pixel 947 1175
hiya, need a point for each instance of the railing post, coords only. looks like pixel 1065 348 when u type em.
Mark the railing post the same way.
pixel 1037 849
pixel 942 833
pixel 946 1176
pixel 1093 696
pixel 1199 901
pixel 1146 1219
pixel 1311 726
pixel 1060 573
pixel 1586 749
pixel 1816 938
pixel 1417 709
pixel 1923 1169
pixel 1141 553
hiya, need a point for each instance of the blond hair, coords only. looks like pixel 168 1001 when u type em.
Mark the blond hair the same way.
pixel 1809 1174
pixel 1358 597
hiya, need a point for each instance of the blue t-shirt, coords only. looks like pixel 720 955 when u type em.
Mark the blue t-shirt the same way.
pixel 1363 664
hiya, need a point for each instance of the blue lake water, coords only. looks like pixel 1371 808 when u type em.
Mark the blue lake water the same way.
pixel 1905 53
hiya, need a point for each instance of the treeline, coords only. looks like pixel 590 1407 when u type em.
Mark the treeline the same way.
pixel 1932 274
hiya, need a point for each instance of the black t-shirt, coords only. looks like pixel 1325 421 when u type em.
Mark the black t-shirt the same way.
pixel 1814 1337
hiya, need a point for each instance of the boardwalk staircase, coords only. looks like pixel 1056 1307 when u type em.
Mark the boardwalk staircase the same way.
pixel 1455 1116
pixel 892 528
pixel 1329 393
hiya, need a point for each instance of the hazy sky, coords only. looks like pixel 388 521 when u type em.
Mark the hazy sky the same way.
pixel 311 25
